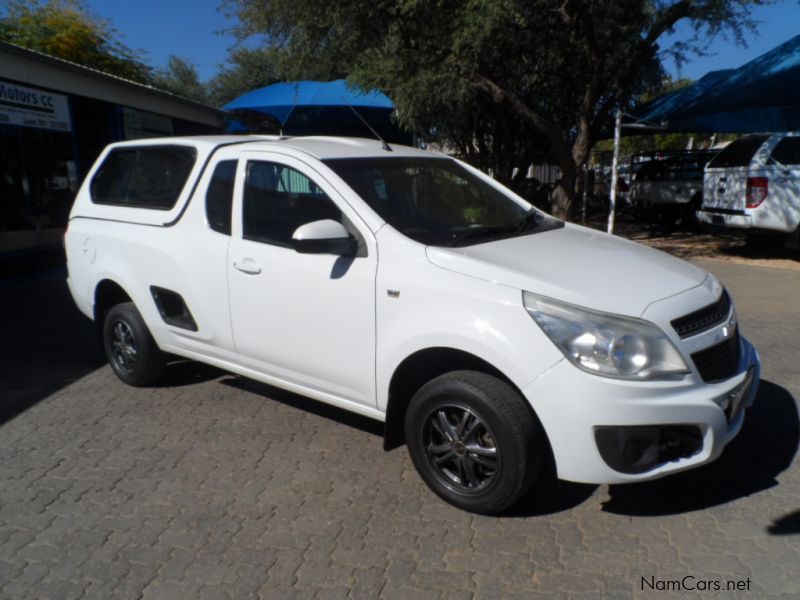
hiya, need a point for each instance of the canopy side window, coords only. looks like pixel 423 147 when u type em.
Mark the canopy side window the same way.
pixel 787 152
pixel 739 153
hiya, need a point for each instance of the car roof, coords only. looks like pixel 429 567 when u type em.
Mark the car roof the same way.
pixel 321 147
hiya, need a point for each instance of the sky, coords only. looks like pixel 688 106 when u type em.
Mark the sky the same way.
pixel 777 23
pixel 192 29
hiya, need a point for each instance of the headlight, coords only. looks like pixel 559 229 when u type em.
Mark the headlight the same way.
pixel 605 344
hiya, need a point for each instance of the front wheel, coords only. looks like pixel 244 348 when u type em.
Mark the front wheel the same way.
pixel 474 441
pixel 131 351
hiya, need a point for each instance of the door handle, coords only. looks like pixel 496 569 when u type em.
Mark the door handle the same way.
pixel 248 266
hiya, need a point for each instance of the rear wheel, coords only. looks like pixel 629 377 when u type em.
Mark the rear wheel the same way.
pixel 130 349
pixel 474 441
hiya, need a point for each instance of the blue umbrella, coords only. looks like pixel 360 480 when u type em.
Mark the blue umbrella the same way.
pixel 315 108
pixel 280 100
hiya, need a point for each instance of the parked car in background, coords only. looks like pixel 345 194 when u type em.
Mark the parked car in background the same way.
pixel 669 187
pixel 600 185
pixel 411 288
pixel 754 185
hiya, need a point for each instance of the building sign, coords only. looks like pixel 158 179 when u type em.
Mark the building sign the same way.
pixel 138 124
pixel 31 107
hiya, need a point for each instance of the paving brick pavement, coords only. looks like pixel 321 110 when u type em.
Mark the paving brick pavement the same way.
pixel 213 486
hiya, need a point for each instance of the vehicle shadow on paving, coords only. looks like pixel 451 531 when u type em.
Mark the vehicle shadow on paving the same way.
pixel 550 496
pixel 305 404
pixel 751 463
pixel 786 525
pixel 47 344
pixel 182 372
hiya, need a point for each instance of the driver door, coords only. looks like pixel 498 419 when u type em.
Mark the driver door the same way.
pixel 303 319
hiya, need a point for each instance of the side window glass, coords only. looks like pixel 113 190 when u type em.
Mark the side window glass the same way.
pixel 787 152
pixel 219 197
pixel 277 200
pixel 143 177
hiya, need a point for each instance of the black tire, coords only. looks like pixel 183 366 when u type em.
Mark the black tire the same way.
pixel 484 436
pixel 130 349
pixel 689 221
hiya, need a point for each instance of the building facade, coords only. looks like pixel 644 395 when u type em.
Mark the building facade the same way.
pixel 55 118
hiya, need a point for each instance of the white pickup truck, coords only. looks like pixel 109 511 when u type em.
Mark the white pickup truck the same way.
pixel 669 187
pixel 411 288
pixel 754 185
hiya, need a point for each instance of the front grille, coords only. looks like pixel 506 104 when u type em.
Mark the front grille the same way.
pixel 704 319
pixel 718 362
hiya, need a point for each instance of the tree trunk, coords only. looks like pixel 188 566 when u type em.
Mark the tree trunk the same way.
pixel 564 192
pixel 571 162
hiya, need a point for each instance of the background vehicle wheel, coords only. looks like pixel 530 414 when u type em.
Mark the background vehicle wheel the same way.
pixel 130 349
pixel 473 440
pixel 765 242
pixel 689 220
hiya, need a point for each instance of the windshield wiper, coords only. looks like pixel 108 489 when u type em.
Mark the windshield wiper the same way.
pixel 530 218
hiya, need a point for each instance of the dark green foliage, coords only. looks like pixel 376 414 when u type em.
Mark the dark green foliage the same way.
pixel 180 77
pixel 246 69
pixel 494 79
pixel 66 29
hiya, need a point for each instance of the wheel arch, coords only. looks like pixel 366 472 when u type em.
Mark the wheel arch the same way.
pixel 107 293
pixel 415 371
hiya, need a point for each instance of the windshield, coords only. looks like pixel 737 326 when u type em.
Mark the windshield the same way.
pixel 435 201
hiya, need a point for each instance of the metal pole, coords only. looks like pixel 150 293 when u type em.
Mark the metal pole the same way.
pixel 614 172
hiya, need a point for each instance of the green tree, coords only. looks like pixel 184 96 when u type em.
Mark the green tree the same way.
pixel 247 69
pixel 180 77
pixel 66 29
pixel 559 67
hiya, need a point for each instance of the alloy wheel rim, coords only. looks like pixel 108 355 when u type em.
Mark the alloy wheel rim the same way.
pixel 461 448
pixel 123 346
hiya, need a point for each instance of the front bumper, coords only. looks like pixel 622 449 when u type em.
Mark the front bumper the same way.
pixel 573 405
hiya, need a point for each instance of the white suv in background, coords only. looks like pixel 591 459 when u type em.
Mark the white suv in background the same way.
pixel 411 288
pixel 754 185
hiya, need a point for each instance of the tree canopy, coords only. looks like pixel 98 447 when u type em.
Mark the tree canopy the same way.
pixel 180 77
pixel 66 29
pixel 472 71
pixel 246 69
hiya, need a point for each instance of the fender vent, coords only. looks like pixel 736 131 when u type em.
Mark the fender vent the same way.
pixel 172 308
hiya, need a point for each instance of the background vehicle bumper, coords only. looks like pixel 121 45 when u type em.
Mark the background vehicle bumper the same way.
pixel 574 405
pixel 723 220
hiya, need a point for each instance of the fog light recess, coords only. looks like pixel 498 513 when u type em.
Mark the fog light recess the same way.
pixel 637 449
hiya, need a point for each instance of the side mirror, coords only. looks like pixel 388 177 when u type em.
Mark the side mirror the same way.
pixel 324 237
